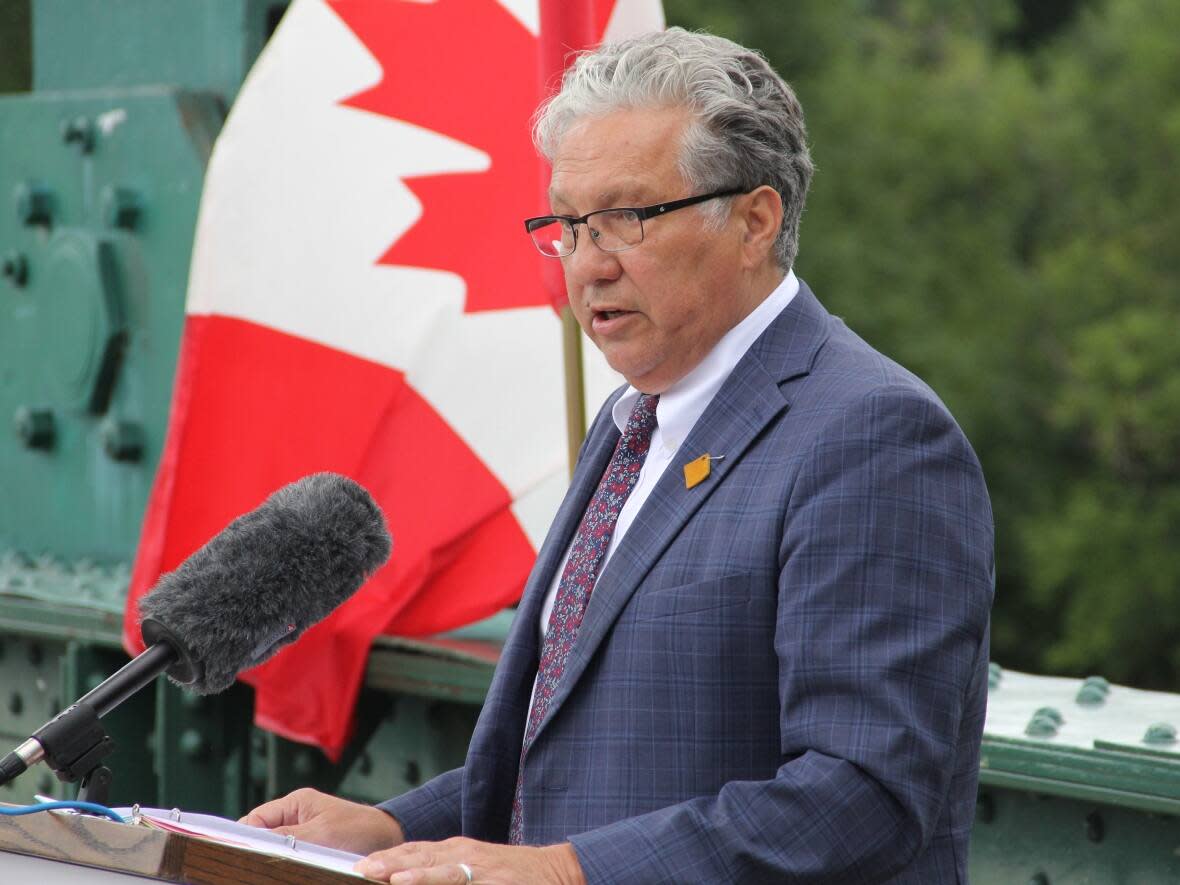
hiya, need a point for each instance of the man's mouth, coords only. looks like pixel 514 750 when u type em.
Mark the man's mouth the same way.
pixel 610 320
pixel 607 322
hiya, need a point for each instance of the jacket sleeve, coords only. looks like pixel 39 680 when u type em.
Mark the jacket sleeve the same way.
pixel 432 811
pixel 884 594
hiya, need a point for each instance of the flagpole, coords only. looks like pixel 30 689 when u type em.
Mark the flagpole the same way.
pixel 575 384
pixel 566 27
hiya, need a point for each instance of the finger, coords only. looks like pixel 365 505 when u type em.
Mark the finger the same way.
pixel 269 815
pixel 410 857
pixel 445 874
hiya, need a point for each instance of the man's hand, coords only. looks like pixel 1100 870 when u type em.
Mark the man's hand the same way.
pixel 321 819
pixel 437 863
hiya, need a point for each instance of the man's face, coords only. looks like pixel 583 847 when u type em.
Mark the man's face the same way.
pixel 657 309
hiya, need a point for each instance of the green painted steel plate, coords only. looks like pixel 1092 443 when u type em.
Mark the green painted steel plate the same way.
pixel 1084 739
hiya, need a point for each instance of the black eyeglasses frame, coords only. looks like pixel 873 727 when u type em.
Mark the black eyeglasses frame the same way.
pixel 642 212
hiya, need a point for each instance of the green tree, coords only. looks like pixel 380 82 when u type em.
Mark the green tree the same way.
pixel 998 215
pixel 1109 547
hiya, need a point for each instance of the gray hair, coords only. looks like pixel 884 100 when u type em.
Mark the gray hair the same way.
pixel 748 126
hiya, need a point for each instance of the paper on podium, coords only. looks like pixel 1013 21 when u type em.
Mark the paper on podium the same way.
pixel 220 829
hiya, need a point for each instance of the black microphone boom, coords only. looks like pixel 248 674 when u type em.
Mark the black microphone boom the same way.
pixel 73 742
pixel 252 589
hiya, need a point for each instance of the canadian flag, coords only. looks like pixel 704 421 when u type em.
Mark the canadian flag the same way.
pixel 363 299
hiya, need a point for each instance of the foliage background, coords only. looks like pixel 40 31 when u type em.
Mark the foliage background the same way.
pixel 997 206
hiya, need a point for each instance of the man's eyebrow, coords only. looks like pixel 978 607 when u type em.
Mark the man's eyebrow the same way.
pixel 608 199
pixel 630 193
pixel 555 200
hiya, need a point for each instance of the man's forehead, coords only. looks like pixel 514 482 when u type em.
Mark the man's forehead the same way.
pixel 625 156
pixel 601 185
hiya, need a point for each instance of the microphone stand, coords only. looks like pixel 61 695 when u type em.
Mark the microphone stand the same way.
pixel 74 742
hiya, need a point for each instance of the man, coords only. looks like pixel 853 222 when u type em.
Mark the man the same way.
pixel 754 645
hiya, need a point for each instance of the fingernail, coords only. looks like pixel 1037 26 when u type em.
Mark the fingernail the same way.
pixel 400 877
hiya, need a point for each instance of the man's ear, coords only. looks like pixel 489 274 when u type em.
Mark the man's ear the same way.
pixel 761 212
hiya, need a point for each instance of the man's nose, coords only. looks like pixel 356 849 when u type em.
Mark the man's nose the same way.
pixel 589 264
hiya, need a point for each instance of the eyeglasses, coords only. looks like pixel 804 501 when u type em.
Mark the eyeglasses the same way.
pixel 611 230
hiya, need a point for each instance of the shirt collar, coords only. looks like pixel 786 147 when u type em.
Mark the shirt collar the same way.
pixel 684 402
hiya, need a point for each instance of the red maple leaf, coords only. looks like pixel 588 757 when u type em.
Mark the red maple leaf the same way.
pixel 466 69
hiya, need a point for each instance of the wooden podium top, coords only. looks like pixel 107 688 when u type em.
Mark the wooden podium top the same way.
pixel 140 851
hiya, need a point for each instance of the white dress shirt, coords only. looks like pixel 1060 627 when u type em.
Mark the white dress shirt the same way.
pixel 680 406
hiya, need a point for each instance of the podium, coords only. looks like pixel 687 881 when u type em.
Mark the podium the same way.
pixel 47 849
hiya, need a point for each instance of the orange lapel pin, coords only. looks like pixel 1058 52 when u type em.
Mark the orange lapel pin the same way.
pixel 697 470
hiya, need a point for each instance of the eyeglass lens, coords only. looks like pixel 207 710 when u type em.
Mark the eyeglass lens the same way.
pixel 612 230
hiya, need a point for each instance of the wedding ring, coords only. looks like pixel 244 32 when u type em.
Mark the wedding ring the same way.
pixel 466 872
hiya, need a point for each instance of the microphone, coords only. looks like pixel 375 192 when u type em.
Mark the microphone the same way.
pixel 252 589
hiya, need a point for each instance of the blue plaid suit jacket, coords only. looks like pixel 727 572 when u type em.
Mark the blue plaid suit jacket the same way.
pixel 782 672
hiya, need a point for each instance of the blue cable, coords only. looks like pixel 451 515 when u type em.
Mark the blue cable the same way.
pixel 89 807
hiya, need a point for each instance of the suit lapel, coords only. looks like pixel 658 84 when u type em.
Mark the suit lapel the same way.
pixel 747 402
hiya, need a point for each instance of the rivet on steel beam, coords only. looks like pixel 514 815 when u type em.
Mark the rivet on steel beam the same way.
pixel 35 427
pixel 34 203
pixel 16 704
pixel 994 674
pixel 1095 828
pixel 122 440
pixel 195 702
pixel 1093 691
pixel 121 207
pixel 15 267
pixel 1160 733
pixel 1039 879
pixel 365 764
pixel 1045 723
pixel 1051 713
pixel 79 132
pixel 193 745
pixel 303 764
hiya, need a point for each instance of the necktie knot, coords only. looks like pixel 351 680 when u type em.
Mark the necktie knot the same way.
pixel 641 425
